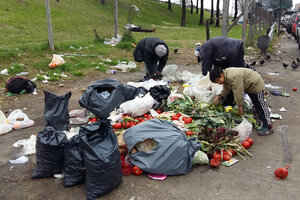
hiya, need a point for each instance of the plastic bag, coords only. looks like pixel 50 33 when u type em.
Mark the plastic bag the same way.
pixel 99 145
pixel 56 60
pixel 49 152
pixel 56 110
pixel 170 151
pixel 4 126
pixel 244 129
pixel 200 158
pixel 74 169
pixel 160 92
pixel 16 84
pixel 19 119
pixel 137 106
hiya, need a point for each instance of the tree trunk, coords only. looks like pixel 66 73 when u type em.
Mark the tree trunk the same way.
pixel 102 2
pixel 201 13
pixel 192 6
pixel 235 9
pixel 197 7
pixel 212 12
pixel 245 20
pixel 183 16
pixel 225 17
pixel 218 14
pixel 169 5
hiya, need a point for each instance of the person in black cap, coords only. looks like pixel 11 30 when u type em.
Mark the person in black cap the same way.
pixel 221 52
pixel 154 53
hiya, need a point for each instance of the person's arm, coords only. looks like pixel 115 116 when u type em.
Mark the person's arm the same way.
pixel 162 63
pixel 151 67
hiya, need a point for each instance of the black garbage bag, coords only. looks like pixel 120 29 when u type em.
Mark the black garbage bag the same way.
pixel 49 153
pixel 56 110
pixel 18 83
pixel 159 92
pixel 74 168
pixel 107 94
pixel 101 157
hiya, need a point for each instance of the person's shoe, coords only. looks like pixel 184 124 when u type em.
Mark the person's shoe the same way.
pixel 264 131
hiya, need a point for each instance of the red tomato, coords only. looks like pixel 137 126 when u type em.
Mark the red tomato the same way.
pixel 226 156
pixel 126 125
pixel 117 125
pixel 233 152
pixel 250 140
pixel 174 117
pixel 178 115
pixel 183 118
pixel 188 120
pixel 246 144
pixel 145 115
pixel 214 162
pixel 217 156
pixel 94 119
pixel 136 170
pixel 189 133
pixel 159 111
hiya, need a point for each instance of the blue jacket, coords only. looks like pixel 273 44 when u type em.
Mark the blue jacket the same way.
pixel 219 51
pixel 145 51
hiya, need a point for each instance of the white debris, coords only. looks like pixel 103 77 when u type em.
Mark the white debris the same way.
pixel 272 86
pixel 20 160
pixel 28 145
pixel 282 109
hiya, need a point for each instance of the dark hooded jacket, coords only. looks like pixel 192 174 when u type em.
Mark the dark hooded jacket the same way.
pixel 219 51
pixel 145 51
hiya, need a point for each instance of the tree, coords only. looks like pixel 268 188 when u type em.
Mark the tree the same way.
pixel 218 14
pixel 212 12
pixel 183 15
pixel 197 7
pixel 201 13
pixel 288 4
pixel 169 5
pixel 225 17
pixel 102 2
pixel 235 9
pixel 192 6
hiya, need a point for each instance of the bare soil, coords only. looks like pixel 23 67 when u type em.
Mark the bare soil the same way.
pixel 248 179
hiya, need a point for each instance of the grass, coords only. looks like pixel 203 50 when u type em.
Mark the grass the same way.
pixel 24 34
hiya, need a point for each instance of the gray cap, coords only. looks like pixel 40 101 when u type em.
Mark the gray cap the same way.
pixel 160 50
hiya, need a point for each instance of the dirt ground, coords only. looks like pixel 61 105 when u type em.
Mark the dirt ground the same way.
pixel 248 179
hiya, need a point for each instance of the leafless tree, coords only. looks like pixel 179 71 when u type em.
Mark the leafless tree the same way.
pixel 197 7
pixel 192 6
pixel 183 15
pixel 212 12
pixel 235 9
pixel 201 13
pixel 169 5
pixel 218 14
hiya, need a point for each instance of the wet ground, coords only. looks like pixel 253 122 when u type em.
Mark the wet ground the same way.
pixel 248 179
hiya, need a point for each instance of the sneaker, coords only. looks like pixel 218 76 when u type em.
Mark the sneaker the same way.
pixel 264 131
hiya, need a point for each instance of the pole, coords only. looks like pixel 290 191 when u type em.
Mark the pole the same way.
pixel 116 18
pixel 50 37
pixel 245 21
pixel 279 21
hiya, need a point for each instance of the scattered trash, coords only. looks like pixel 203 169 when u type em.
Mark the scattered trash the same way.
pixel 282 109
pixel 230 162
pixel 124 67
pixel 4 72
pixel 22 74
pixel 5 127
pixel 269 85
pixel 295 89
pixel 111 71
pixel 273 73
pixel 17 84
pixel 19 119
pixel 113 41
pixel 200 158
pixel 20 160
pixel 198 44
pixel 279 93
pixel 275 116
pixel 59 176
pixel 56 60
pixel 287 154
pixel 28 145
pixel 157 177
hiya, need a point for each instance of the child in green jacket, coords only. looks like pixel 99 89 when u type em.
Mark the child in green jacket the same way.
pixel 240 81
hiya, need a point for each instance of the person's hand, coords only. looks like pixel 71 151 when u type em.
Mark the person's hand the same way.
pixel 241 110
pixel 216 100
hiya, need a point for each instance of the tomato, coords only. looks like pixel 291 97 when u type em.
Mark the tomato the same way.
pixel 178 115
pixel 145 115
pixel 136 170
pixel 233 152
pixel 125 115
pixel 174 117
pixel 246 144
pixel 226 156
pixel 189 133
pixel 117 125
pixel 183 118
pixel 188 120
pixel 94 119
pixel 126 125
pixel 214 162
pixel 250 140
pixel 159 111
pixel 217 156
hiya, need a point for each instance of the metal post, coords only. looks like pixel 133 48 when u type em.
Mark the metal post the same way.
pixel 279 21
pixel 50 37
pixel 116 18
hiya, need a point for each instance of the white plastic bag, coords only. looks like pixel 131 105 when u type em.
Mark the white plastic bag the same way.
pixel 19 119
pixel 138 106
pixel 173 96
pixel 56 60
pixel 4 126
pixel 244 129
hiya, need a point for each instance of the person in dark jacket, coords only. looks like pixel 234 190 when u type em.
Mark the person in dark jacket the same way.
pixel 154 53
pixel 221 52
